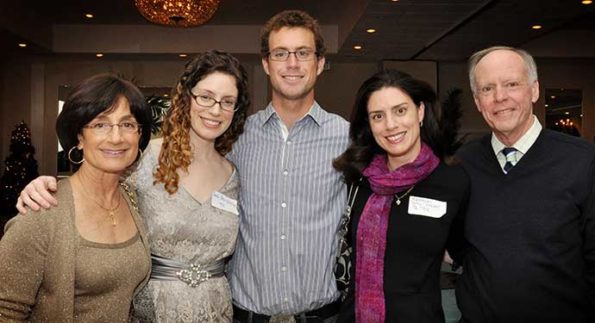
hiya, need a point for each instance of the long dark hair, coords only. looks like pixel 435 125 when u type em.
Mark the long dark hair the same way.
pixel 363 146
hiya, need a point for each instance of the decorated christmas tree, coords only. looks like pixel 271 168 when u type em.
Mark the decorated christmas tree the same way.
pixel 20 169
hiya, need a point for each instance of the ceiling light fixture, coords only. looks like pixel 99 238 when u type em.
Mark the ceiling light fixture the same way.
pixel 183 55
pixel 370 30
pixel 99 55
pixel 89 15
pixel 177 13
pixel 586 2
pixel 22 45
pixel 357 47
pixel 536 27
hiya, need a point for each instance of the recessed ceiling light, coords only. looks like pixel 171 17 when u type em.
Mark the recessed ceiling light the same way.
pixel 166 95
pixel 552 97
pixel 547 105
pixel 99 55
pixel 394 0
pixel 566 113
pixel 536 27
pixel 22 45
pixel 183 55
pixel 89 15
pixel 586 2
pixel 370 30
pixel 358 47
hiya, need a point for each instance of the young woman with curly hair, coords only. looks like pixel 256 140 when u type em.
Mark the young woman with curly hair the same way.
pixel 188 192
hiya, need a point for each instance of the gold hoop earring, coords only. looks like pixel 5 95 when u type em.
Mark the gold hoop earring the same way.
pixel 70 157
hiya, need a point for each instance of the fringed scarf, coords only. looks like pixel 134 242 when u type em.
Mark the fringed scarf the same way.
pixel 372 228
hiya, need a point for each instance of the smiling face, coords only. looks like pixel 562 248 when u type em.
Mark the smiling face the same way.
pixel 209 123
pixel 293 79
pixel 114 151
pixel 394 121
pixel 505 95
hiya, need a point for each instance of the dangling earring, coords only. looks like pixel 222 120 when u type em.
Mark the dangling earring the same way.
pixel 421 123
pixel 70 157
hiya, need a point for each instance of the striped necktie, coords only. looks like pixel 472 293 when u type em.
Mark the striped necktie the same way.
pixel 508 153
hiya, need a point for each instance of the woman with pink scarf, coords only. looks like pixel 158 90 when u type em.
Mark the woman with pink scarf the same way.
pixel 409 204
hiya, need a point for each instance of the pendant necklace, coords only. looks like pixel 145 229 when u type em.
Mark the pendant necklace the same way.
pixel 111 212
pixel 398 198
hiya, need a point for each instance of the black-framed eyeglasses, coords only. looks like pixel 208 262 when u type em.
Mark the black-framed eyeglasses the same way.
pixel 104 128
pixel 206 101
pixel 302 54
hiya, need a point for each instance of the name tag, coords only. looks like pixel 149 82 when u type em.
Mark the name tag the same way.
pixel 224 203
pixel 426 207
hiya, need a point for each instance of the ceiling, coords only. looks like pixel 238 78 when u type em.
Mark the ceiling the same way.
pixel 405 29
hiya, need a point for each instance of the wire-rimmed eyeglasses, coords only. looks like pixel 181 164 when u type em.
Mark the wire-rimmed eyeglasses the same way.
pixel 104 128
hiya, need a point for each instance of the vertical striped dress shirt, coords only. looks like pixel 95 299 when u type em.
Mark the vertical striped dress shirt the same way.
pixel 291 200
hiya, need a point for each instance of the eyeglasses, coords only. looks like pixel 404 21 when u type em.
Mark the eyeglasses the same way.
pixel 104 128
pixel 206 101
pixel 282 54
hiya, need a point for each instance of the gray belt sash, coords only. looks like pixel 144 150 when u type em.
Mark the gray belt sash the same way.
pixel 193 274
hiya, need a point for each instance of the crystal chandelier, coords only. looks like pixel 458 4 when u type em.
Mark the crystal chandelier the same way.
pixel 178 13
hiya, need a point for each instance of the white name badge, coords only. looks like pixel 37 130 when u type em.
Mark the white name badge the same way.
pixel 426 207
pixel 224 203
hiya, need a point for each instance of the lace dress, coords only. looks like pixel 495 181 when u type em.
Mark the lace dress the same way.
pixel 183 229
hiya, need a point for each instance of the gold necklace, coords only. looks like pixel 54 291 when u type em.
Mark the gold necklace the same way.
pixel 398 198
pixel 111 212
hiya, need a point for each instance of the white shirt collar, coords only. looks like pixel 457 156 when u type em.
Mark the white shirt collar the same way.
pixel 524 143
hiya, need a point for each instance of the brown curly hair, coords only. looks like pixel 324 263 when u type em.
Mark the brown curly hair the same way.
pixel 291 19
pixel 176 152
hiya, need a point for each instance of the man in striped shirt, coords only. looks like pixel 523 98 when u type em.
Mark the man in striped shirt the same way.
pixel 291 198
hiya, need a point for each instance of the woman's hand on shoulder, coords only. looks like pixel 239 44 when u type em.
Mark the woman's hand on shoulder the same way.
pixel 38 194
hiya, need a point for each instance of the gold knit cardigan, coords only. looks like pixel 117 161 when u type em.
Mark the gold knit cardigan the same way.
pixel 37 261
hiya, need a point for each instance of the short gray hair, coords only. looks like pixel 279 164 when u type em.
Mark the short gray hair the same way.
pixel 527 58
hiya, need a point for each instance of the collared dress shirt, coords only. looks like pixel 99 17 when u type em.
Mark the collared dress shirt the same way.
pixel 522 145
pixel 291 201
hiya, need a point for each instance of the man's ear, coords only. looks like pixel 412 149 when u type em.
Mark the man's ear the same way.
pixel 476 103
pixel 535 91
pixel 320 66
pixel 265 65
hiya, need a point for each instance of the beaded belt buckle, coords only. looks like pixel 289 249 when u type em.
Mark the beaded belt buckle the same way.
pixel 282 319
pixel 194 275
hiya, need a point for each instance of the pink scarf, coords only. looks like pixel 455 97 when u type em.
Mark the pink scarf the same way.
pixel 373 223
